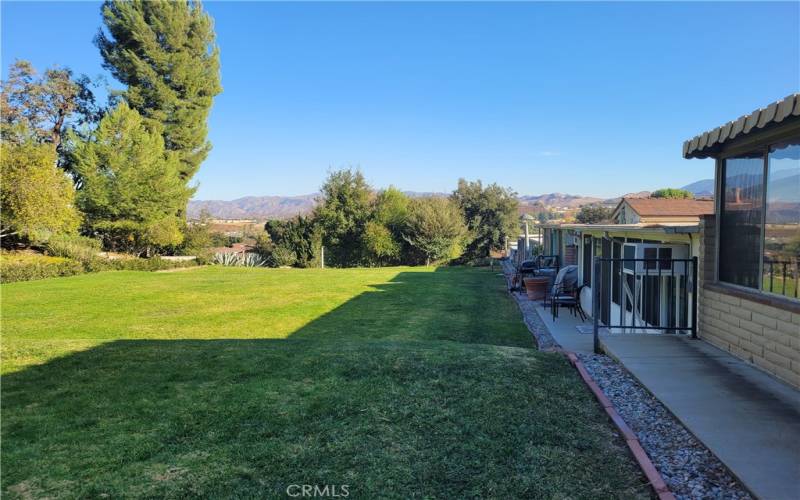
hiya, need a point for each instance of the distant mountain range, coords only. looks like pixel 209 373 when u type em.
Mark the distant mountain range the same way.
pixel 284 207
pixel 701 188
pixel 254 207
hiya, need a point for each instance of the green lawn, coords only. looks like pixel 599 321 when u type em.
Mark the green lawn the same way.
pixel 399 382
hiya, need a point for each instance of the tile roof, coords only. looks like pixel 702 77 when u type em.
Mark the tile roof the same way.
pixel 670 206
pixel 707 143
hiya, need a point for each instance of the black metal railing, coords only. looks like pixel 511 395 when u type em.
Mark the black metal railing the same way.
pixel 658 294
pixel 786 274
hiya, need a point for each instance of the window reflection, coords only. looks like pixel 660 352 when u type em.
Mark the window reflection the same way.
pixel 740 220
pixel 782 228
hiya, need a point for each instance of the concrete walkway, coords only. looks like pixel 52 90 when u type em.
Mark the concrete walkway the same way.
pixel 748 419
pixel 564 329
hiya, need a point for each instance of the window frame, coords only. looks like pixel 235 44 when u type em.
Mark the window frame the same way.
pixel 763 146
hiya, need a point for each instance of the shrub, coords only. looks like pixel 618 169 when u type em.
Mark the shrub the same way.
pixel 226 259
pixel 680 194
pixel 243 260
pixel 204 257
pixel 253 260
pixel 151 264
pixel 282 256
pixel 26 267
pixel 79 248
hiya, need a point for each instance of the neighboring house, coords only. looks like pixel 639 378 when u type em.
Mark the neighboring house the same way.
pixel 239 248
pixel 749 302
pixel 746 294
pixel 645 299
pixel 661 210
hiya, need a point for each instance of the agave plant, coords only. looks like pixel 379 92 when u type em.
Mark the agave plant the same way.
pixel 252 260
pixel 227 259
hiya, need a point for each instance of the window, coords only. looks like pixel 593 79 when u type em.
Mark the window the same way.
pixel 740 220
pixel 759 227
pixel 782 220
pixel 651 254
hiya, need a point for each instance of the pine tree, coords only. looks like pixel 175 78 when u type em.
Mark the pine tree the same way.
pixel 131 190
pixel 165 52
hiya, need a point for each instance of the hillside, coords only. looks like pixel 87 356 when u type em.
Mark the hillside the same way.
pixel 284 207
pixel 254 207
pixel 704 187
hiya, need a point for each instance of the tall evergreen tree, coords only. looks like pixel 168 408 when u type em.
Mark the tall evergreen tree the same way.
pixel 131 190
pixel 165 52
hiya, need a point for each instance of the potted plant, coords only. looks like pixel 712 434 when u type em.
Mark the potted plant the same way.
pixel 536 287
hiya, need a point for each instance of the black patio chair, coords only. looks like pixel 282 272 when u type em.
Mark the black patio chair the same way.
pixel 569 298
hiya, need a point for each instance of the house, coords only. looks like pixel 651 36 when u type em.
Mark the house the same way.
pixel 631 296
pixel 661 210
pixel 748 298
pixel 237 248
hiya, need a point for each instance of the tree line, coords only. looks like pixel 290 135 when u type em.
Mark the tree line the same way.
pixel 120 172
pixel 361 226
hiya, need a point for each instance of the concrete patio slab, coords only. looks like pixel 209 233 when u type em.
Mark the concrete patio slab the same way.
pixel 750 420
pixel 564 330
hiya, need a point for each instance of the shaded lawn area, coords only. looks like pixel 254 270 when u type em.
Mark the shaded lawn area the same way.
pixel 396 382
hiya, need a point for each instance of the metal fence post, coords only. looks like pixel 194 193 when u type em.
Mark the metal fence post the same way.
pixel 695 307
pixel 596 284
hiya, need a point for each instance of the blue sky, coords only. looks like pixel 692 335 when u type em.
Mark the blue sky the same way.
pixel 584 98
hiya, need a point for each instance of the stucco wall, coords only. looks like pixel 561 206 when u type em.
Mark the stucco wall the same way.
pixel 759 333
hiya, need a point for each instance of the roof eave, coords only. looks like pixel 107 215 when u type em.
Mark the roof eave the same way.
pixel 710 144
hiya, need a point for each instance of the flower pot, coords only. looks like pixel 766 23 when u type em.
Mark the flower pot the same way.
pixel 536 287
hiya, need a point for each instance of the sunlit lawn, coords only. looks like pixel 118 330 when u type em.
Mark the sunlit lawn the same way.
pixel 400 382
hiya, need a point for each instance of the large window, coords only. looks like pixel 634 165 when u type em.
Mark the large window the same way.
pixel 740 220
pixel 760 223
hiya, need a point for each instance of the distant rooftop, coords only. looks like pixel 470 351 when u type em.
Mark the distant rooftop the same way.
pixel 670 206
pixel 709 143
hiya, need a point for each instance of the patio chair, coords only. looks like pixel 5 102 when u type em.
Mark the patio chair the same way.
pixel 567 275
pixel 564 283
pixel 570 298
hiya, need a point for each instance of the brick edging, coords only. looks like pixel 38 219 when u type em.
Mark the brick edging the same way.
pixel 653 476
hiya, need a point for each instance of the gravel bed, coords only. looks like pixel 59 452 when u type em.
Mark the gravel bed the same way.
pixel 689 469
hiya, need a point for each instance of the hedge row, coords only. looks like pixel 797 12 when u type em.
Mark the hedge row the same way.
pixel 26 267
